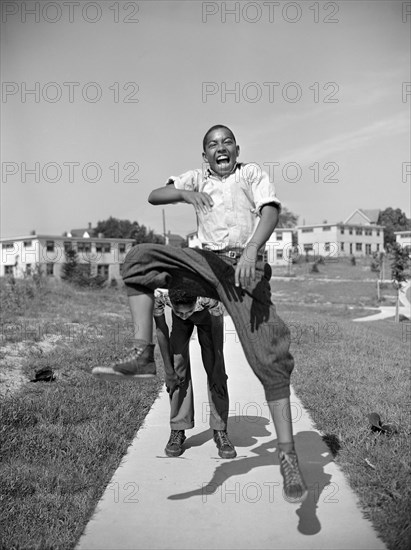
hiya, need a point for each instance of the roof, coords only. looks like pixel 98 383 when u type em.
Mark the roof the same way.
pixel 80 232
pixel 372 215
pixel 62 238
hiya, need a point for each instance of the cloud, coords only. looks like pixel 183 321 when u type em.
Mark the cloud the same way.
pixel 354 139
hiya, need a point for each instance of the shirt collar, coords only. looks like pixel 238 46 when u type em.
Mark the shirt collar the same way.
pixel 208 172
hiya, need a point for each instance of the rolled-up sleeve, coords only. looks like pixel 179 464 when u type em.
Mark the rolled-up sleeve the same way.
pixel 186 182
pixel 214 307
pixel 263 190
pixel 159 303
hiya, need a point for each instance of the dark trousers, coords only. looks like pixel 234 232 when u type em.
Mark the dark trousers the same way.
pixel 182 401
pixel 265 338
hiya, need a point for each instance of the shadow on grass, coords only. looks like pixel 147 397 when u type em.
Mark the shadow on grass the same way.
pixel 313 457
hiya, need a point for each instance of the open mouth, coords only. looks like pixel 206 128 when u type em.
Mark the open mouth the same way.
pixel 222 159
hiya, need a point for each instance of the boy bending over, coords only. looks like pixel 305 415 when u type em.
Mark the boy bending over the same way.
pixel 207 315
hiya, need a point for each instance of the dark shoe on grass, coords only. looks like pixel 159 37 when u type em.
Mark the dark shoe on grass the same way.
pixel 224 445
pixel 295 490
pixel 139 364
pixel 174 446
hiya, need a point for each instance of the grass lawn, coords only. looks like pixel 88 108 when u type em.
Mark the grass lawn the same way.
pixel 62 441
pixel 345 371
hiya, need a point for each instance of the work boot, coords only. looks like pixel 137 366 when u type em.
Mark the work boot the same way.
pixel 174 446
pixel 224 445
pixel 139 364
pixel 295 490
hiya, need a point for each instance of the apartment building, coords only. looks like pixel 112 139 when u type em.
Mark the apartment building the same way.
pixel 21 255
pixel 358 235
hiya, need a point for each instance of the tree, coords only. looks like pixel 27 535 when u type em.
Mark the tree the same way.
pixel 79 273
pixel 70 266
pixel 287 218
pixel 393 220
pixel 399 265
pixel 114 228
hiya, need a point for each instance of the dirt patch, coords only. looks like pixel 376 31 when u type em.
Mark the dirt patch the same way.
pixel 12 358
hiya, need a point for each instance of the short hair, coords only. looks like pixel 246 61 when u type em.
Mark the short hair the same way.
pixel 216 127
pixel 181 297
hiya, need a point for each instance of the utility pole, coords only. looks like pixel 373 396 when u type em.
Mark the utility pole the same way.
pixel 164 227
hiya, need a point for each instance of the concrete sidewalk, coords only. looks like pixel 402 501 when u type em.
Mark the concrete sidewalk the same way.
pixel 385 312
pixel 200 501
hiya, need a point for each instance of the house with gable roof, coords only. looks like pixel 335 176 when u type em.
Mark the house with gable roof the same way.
pixel 358 235
pixel 21 254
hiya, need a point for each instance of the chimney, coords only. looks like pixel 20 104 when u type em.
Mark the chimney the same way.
pixel 89 225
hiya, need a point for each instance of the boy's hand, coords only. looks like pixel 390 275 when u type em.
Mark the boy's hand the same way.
pixel 172 382
pixel 202 202
pixel 245 269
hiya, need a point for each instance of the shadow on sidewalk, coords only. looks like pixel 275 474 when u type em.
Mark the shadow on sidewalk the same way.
pixel 243 431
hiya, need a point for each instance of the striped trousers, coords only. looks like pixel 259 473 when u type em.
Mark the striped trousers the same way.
pixel 265 338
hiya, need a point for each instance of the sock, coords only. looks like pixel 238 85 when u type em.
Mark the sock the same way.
pixel 286 447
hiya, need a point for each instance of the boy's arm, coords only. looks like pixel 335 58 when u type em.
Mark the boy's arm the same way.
pixel 169 194
pixel 163 339
pixel 245 270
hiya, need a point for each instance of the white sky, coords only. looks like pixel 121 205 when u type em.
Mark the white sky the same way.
pixel 175 48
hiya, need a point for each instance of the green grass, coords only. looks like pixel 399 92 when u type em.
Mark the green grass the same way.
pixel 345 371
pixel 62 441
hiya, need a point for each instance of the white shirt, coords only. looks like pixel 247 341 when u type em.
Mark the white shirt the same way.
pixel 238 200
pixel 162 300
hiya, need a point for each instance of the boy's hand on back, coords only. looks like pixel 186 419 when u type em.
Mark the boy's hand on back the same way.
pixel 245 269
pixel 172 382
pixel 202 202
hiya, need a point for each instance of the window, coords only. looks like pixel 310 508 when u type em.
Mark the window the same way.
pixel 27 244
pixel 104 247
pixel 279 254
pixel 327 247
pixel 50 246
pixel 8 246
pixel 83 247
pixel 368 232
pixel 102 270
pixel 378 232
pixel 368 249
pixel 350 231
pixel 358 247
pixel 327 228
pixel 308 247
pixel 50 268
pixel 358 231
pixel 342 247
pixel 378 247
pixel 121 247
pixel 342 230
pixel 310 230
pixel 67 246
pixel 8 270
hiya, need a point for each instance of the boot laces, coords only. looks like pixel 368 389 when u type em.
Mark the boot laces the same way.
pixel 291 471
pixel 223 437
pixel 176 436
pixel 134 353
